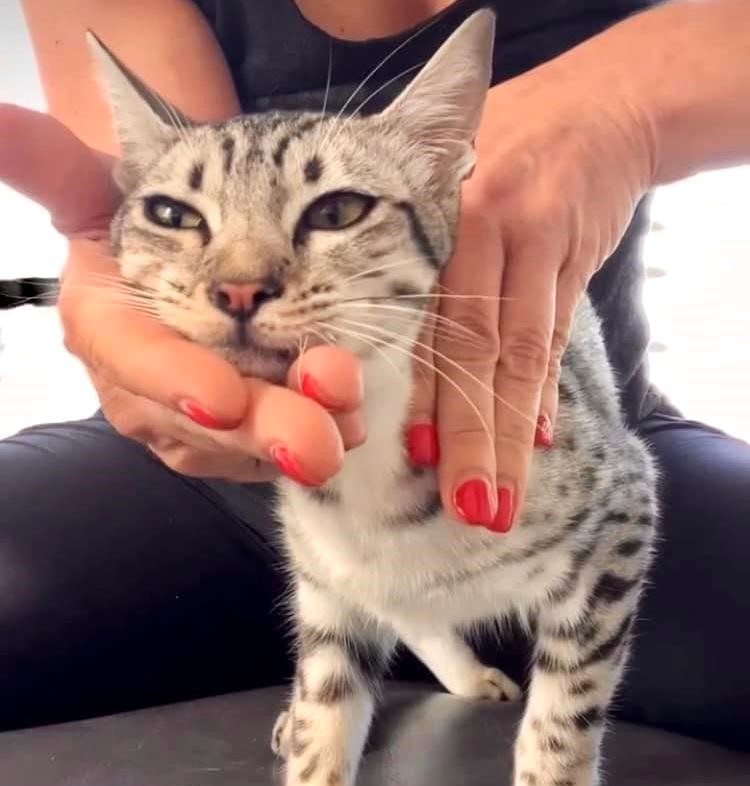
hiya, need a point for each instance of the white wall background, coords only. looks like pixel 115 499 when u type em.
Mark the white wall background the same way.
pixel 698 310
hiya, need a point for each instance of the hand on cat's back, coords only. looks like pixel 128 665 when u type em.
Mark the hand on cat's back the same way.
pixel 561 164
pixel 190 407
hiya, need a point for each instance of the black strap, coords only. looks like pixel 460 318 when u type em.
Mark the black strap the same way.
pixel 28 292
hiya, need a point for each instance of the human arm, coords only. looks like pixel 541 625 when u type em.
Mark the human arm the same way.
pixel 169 44
pixel 565 152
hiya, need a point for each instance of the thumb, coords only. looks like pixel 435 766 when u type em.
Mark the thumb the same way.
pixel 43 160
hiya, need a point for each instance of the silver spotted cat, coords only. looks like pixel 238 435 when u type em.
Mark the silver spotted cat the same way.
pixel 264 233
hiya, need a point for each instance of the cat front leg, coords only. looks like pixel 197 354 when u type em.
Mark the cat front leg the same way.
pixel 340 662
pixel 579 662
pixel 447 655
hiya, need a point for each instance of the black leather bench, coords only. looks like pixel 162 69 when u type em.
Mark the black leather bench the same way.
pixel 420 738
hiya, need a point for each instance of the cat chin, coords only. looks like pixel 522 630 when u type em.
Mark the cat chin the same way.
pixel 271 365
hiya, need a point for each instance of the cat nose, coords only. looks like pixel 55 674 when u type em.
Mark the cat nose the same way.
pixel 241 299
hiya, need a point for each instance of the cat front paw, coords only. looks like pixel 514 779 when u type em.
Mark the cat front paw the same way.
pixel 487 683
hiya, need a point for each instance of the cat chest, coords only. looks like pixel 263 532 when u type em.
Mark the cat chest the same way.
pixel 434 564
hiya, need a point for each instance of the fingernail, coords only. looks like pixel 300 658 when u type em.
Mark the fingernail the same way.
pixel 543 433
pixel 201 416
pixel 504 518
pixel 289 465
pixel 472 501
pixel 422 445
pixel 311 389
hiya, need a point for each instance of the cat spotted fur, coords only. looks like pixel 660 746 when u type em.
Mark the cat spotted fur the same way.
pixel 372 558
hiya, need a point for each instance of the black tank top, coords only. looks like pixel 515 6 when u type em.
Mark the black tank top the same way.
pixel 280 60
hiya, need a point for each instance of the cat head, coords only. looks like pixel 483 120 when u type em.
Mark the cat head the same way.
pixel 272 231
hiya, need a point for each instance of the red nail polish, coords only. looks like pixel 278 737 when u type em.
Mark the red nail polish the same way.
pixel 472 501
pixel 504 518
pixel 543 433
pixel 199 415
pixel 311 389
pixel 289 465
pixel 422 445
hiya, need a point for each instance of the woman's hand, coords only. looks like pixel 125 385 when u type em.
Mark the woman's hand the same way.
pixel 190 407
pixel 559 172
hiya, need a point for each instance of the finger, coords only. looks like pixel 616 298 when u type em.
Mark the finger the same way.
pixel 351 426
pixel 151 423
pixel 332 377
pixel 571 285
pixel 422 444
pixel 49 164
pixel 329 375
pixel 139 354
pixel 290 426
pixel 295 433
pixel 527 315
pixel 464 387
pixel 186 460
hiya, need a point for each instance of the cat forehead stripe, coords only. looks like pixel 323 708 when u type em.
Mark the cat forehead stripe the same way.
pixel 303 127
pixel 313 169
pixel 196 177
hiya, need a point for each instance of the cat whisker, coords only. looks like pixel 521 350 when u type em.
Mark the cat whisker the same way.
pixel 343 124
pixel 326 95
pixel 436 295
pixel 418 313
pixel 379 348
pixel 117 282
pixel 321 336
pixel 439 331
pixel 178 124
pixel 441 374
pixel 302 343
pixel 383 62
pixel 454 364
pixel 387 266
pixel 129 294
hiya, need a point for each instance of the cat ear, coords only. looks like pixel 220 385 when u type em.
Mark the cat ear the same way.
pixel 146 125
pixel 440 110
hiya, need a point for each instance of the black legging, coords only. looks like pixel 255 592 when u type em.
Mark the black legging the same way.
pixel 123 584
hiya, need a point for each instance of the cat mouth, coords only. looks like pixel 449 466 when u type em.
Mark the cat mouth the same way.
pixel 253 358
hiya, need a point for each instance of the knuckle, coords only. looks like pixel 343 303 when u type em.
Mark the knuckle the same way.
pixel 525 357
pixel 71 330
pixel 69 340
pixel 477 195
pixel 554 366
pixel 183 461
pixel 479 337
pixel 125 423
pixel 355 440
pixel 465 428
pixel 422 386
pixel 554 369
pixel 76 339
pixel 487 188
pixel 468 433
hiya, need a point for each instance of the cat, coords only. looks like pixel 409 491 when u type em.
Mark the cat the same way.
pixel 256 234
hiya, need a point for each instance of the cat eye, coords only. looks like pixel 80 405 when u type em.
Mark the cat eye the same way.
pixel 170 213
pixel 338 210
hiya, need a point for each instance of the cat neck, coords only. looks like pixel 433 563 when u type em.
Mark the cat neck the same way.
pixel 387 379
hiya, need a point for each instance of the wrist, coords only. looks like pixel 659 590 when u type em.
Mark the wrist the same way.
pixel 610 114
pixel 680 70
